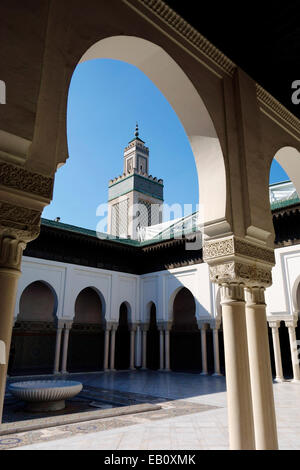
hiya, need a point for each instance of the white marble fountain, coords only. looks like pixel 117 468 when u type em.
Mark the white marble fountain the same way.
pixel 45 395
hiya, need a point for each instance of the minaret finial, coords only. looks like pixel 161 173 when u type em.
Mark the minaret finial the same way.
pixel 136 130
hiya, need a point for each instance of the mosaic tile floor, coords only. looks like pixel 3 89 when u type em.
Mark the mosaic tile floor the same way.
pixel 96 395
pixel 193 415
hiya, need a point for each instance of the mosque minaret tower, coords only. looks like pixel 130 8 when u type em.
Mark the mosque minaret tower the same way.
pixel 135 198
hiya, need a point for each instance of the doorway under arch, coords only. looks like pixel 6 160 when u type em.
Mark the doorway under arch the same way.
pixel 34 334
pixel 185 342
pixel 86 341
pixel 152 339
pixel 122 351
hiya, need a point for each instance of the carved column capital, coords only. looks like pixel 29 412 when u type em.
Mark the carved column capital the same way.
pixel 291 323
pixel 145 326
pixel 274 324
pixel 164 325
pixel 18 226
pixel 68 324
pixel 235 260
pixel 255 296
pixel 133 326
pixel 203 325
pixel 232 292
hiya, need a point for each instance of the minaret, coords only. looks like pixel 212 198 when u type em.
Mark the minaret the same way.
pixel 134 198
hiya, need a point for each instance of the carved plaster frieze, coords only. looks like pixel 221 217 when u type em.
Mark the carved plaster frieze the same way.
pixel 234 272
pixel 19 218
pixel 233 246
pixel 16 177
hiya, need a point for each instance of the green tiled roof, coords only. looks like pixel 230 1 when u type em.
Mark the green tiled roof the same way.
pixel 86 231
pixel 285 203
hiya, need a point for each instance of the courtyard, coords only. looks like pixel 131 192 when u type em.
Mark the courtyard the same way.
pixel 191 414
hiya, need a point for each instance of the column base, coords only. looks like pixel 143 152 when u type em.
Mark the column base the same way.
pixel 203 373
pixel 295 381
pixel 144 368
pixel 131 368
pixel 217 374
pixel 278 380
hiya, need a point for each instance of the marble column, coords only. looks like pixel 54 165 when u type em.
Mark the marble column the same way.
pixel 113 345
pixel 145 328
pixel 57 347
pixel 204 348
pixel 168 326
pixel 240 417
pixel 67 328
pixel 260 370
pixel 8 290
pixel 274 325
pixel 132 345
pixel 106 347
pixel 291 325
pixel 215 328
pixel 161 346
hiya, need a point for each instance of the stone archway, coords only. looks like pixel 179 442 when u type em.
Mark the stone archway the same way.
pixel 185 343
pixel 86 341
pixel 33 340
pixel 189 106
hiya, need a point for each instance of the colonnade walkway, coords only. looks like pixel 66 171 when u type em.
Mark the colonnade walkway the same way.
pixel 203 428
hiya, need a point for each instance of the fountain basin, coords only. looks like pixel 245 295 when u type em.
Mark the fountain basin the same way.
pixel 45 395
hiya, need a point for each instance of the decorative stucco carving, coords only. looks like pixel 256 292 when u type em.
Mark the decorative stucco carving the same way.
pixel 255 296
pixel 18 225
pixel 232 292
pixel 235 246
pixel 18 217
pixel 11 250
pixel 248 274
pixel 270 102
pixel 18 178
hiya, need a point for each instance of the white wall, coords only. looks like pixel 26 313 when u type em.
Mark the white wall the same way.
pixel 281 296
pixel 68 280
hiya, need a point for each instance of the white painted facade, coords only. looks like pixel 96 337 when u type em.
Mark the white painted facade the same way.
pixel 114 288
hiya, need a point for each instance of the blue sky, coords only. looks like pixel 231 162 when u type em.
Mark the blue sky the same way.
pixel 106 99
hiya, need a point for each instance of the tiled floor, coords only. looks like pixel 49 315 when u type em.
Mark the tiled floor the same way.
pixel 204 429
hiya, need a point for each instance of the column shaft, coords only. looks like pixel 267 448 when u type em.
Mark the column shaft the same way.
pixel 240 418
pixel 216 352
pixel 204 350
pixel 277 352
pixel 132 344
pixel 106 349
pixel 144 366
pixel 57 350
pixel 8 290
pixel 167 350
pixel 112 349
pixel 65 350
pixel 260 370
pixel 161 349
